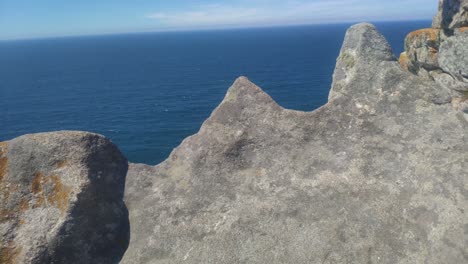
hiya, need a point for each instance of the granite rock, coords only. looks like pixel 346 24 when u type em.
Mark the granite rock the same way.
pixel 61 199
pixel 377 175
pixel 422 47
pixel 449 83
pixel 452 14
pixel 453 56
pixel 362 43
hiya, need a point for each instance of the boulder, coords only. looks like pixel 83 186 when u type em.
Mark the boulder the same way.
pixel 377 175
pixel 452 14
pixel 61 199
pixel 422 47
pixel 453 56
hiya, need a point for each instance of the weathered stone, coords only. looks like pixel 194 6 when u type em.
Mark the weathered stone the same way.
pixel 453 57
pixel 422 47
pixel 448 82
pixel 362 43
pixel 461 30
pixel 461 103
pixel 406 63
pixel 452 14
pixel 61 199
pixel 377 175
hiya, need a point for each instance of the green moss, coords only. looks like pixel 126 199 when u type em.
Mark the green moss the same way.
pixel 348 59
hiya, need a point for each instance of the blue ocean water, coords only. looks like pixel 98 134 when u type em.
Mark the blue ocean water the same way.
pixel 147 92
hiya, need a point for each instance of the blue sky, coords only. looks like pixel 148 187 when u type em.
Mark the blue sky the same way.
pixel 47 18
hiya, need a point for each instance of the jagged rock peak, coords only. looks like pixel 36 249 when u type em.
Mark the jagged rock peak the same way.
pixel 452 14
pixel 243 90
pixel 61 199
pixel 367 43
pixel 371 177
pixel 363 46
pixel 243 101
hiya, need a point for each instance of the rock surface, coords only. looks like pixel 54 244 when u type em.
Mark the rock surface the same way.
pixel 441 54
pixel 377 175
pixel 453 56
pixel 452 14
pixel 422 47
pixel 61 199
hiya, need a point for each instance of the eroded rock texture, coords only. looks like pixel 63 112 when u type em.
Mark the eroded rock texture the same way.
pixel 440 53
pixel 453 56
pixel 452 14
pixel 377 175
pixel 61 199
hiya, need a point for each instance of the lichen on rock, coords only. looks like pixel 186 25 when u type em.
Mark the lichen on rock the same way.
pixel 61 199
pixel 440 53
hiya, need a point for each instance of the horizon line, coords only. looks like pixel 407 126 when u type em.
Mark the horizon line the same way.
pixel 201 29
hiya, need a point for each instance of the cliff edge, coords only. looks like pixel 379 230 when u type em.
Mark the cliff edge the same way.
pixel 377 175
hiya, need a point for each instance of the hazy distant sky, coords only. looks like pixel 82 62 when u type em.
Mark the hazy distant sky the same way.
pixel 43 18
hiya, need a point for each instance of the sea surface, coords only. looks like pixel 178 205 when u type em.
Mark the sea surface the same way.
pixel 147 92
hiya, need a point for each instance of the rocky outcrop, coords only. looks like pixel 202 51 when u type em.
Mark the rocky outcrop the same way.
pixel 440 53
pixel 453 57
pixel 362 44
pixel 452 14
pixel 377 175
pixel 61 199
pixel 422 47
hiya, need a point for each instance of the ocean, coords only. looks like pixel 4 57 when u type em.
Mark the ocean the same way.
pixel 147 92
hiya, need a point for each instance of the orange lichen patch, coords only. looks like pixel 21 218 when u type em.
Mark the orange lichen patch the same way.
pixel 5 215
pixel 3 160
pixel 61 164
pixel 3 148
pixel 23 205
pixel 9 253
pixel 403 60
pixel 3 167
pixel 429 33
pixel 40 201
pixel 38 181
pixel 37 189
pixel 59 195
pixel 462 29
